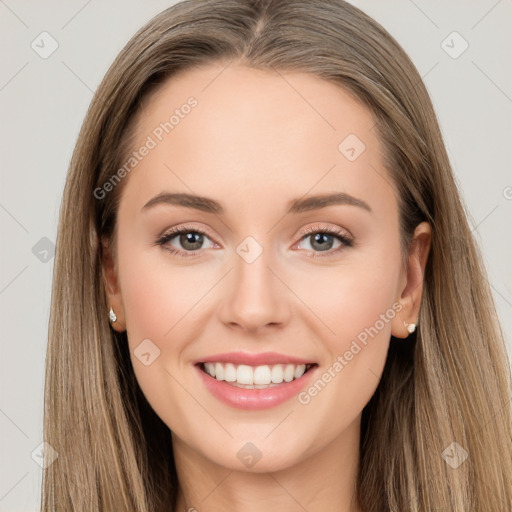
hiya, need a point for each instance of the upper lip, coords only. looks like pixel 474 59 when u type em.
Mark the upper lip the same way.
pixel 263 358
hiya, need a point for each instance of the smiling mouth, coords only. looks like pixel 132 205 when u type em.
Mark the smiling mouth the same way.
pixel 255 377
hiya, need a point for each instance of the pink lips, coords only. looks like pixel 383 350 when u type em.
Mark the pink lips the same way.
pixel 254 399
pixel 253 359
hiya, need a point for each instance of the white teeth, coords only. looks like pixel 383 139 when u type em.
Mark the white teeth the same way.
pixel 210 368
pixel 262 375
pixel 277 374
pixel 299 371
pixel 219 371
pixel 289 372
pixel 244 374
pixel 257 377
pixel 229 372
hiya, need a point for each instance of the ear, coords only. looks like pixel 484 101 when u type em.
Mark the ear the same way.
pixel 111 284
pixel 411 287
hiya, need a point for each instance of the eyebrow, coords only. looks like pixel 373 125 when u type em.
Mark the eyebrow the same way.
pixel 300 205
pixel 204 204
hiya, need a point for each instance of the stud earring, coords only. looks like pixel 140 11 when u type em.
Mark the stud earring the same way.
pixel 410 327
pixel 112 316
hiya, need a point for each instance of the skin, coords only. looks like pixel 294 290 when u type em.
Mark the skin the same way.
pixel 256 141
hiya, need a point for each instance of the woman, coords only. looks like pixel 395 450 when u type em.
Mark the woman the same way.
pixel 266 292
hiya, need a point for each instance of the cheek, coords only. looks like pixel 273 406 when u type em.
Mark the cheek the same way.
pixel 149 312
pixel 350 298
pixel 355 304
pixel 157 295
pixel 158 302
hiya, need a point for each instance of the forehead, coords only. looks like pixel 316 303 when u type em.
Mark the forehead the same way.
pixel 230 131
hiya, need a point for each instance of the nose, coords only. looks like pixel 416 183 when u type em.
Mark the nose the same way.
pixel 255 298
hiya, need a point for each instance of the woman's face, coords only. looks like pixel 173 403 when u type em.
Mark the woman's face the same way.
pixel 289 256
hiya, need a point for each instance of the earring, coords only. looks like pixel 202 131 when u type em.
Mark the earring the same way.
pixel 410 327
pixel 112 316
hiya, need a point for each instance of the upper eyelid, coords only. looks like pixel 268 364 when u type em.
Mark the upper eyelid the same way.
pixel 185 228
pixel 326 229
pixel 306 231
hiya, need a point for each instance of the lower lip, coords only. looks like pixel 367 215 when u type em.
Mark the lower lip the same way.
pixel 254 399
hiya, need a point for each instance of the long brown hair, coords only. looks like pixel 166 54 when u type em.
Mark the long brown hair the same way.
pixel 449 383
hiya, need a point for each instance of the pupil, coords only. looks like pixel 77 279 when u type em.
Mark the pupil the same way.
pixel 324 241
pixel 194 239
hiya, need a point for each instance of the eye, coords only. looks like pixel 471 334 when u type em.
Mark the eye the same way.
pixel 325 240
pixel 184 241
pixel 188 241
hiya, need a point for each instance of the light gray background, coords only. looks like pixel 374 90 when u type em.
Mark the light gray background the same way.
pixel 43 102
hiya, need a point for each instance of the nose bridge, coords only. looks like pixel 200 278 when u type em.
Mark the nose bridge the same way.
pixel 255 297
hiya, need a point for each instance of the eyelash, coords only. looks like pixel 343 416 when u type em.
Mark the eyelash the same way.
pixel 346 240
